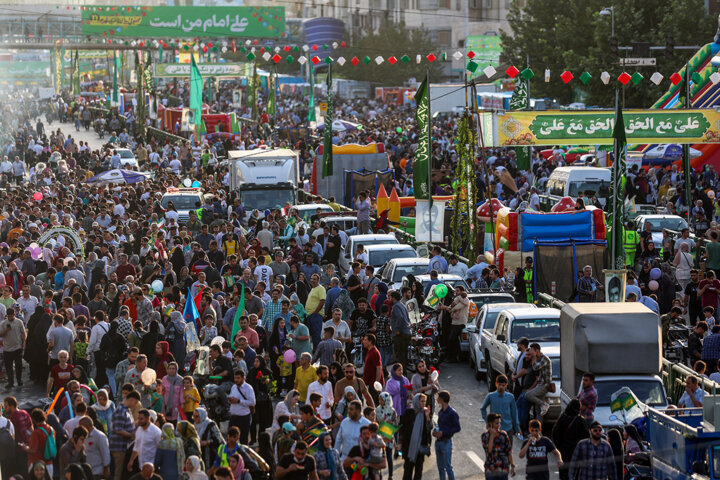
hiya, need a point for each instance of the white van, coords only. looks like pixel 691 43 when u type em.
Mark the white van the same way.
pixel 569 181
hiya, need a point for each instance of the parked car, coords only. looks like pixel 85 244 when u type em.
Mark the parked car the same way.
pixel 306 211
pixel 393 272
pixel 380 254
pixel 477 300
pixel 350 249
pixel 482 325
pixel 184 200
pixel 448 279
pixel 659 223
pixel 127 158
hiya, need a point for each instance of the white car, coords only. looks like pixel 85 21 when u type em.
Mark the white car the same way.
pixel 127 158
pixel 379 255
pixel 350 249
pixel 396 269
pixel 306 211
pixel 184 200
pixel 659 223
pixel 449 279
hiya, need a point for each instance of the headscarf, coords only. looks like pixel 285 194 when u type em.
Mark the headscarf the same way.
pixel 381 297
pixel 240 468
pixel 97 405
pixel 385 412
pixel 329 457
pixel 197 469
pixel 83 376
pixel 204 422
pixel 417 429
pixel 344 402
pixel 403 391
pixel 171 442
pixel 632 430
pixel 189 435
pixel 288 402
pixel 174 381
pixel 162 360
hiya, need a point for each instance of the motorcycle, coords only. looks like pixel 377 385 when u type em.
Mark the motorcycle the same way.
pixel 356 354
pixel 424 340
pixel 677 350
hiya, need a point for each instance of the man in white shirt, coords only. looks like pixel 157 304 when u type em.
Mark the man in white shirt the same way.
pixel 457 267
pixel 241 398
pixel 534 203
pixel 147 438
pixel 262 272
pixel 323 387
pixel 27 304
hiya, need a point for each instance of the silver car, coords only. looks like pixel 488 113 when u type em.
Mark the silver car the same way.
pixel 396 269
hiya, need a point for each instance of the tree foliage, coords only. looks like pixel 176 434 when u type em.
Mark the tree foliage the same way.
pixel 571 35
pixel 390 39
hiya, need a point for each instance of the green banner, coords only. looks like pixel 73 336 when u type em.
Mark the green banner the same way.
pixel 89 54
pixel 596 127
pixel 206 69
pixel 487 50
pixel 520 100
pixel 184 22
pixel 196 89
pixel 30 69
pixel 421 166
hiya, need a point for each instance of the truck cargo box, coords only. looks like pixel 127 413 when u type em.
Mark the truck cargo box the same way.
pixel 608 339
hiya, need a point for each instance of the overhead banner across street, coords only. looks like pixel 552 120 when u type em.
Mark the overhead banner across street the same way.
pixel 206 69
pixel 125 21
pixel 596 127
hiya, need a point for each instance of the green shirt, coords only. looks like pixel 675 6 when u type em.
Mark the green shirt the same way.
pixel 713 255
pixel 301 346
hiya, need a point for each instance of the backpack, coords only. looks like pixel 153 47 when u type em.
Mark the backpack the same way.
pixel 7 445
pixel 50 451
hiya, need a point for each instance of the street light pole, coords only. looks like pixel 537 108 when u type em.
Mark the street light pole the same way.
pixel 610 11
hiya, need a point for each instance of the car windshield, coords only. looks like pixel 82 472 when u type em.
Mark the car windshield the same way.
pixel 373 241
pixel 307 213
pixel 660 224
pixel 405 270
pixel 181 202
pixel 126 154
pixel 555 365
pixel 266 199
pixel 481 300
pixel 536 329
pixel 590 188
pixel 380 257
pixel 649 392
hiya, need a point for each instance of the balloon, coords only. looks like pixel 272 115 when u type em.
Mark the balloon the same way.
pixel 35 252
pixel 157 286
pixel 441 290
pixel 377 386
pixel 434 375
pixel 187 182
pixel 655 273
pixel 403 163
pixel 398 129
pixel 37 196
pixel 289 356
pixel 489 257
pixel 217 341
pixel 148 377
pixel 653 285
pixel 195 184
pixel 711 194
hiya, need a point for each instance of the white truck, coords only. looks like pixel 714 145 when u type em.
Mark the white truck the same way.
pixel 264 178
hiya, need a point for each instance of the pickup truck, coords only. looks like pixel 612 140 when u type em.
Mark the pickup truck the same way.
pixel 478 298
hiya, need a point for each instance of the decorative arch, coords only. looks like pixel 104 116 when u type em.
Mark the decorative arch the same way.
pixel 75 240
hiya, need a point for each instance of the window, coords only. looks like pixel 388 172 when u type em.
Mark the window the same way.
pixel 444 38
pixel 444 3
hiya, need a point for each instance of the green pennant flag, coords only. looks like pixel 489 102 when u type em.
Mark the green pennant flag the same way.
pixel 62 69
pixel 327 159
pixel 238 314
pixel 255 86
pixel 117 62
pixel 76 75
pixel 617 190
pixel 196 90
pixel 311 105
pixel 271 95
pixel 520 100
pixel 387 430
pixel 422 182
pixel 250 93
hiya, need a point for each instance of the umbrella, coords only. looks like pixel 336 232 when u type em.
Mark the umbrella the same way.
pixel 668 153
pixel 340 126
pixel 119 175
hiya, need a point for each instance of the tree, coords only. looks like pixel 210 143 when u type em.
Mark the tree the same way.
pixel 390 39
pixel 571 35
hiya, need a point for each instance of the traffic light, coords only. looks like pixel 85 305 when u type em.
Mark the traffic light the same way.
pixel 669 47
pixel 614 49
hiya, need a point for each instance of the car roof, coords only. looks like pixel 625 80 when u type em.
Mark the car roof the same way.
pixel 410 261
pixel 505 306
pixel 441 277
pixel 659 215
pixel 311 206
pixel 388 246
pixel 530 312
pixel 338 218
pixel 372 236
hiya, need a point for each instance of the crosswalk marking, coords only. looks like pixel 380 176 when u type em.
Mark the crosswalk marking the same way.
pixel 475 459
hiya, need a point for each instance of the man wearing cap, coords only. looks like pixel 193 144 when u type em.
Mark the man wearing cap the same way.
pixel 593 458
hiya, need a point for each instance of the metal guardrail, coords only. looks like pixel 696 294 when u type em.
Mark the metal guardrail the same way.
pixel 674 375
pixel 163 135
pixel 545 300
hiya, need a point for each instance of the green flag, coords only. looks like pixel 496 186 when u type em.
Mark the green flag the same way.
pixel 271 96
pixel 311 105
pixel 250 93
pixel 255 86
pixel 520 100
pixel 76 75
pixel 617 193
pixel 62 69
pixel 327 159
pixel 238 314
pixel 117 61
pixel 422 181
pixel 196 90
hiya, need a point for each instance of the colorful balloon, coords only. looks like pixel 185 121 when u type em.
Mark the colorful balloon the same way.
pixel 441 290
pixel 157 286
pixel 655 274
pixel 37 196
pixel 289 356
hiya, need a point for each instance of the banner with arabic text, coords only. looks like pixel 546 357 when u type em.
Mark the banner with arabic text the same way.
pixel 183 22
pixel 206 70
pixel 562 127
pixel 28 69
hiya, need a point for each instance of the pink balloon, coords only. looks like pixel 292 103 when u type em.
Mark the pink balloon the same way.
pixel 37 196
pixel 36 252
pixel 289 356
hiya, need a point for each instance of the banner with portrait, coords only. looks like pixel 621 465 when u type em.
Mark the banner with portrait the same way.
pixel 429 221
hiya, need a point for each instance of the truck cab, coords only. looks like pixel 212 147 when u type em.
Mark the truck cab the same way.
pixel 570 181
pixel 264 179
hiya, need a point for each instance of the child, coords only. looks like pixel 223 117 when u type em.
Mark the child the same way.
pixel 239 360
pixel 80 350
pixel 209 331
pixel 708 313
pixel 297 307
pixel 286 441
pixel 377 450
pixel 192 396
pixel 285 368
pixel 156 397
pixel 226 350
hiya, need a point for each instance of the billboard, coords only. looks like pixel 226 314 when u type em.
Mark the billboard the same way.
pixel 206 69
pixel 562 127
pixel 487 49
pixel 183 22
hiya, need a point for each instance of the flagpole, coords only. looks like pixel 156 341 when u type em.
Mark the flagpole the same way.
pixel 614 176
pixel 429 167
pixel 686 148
